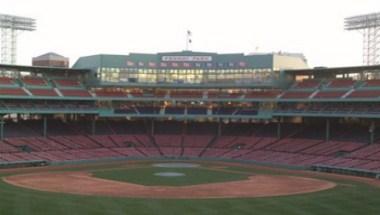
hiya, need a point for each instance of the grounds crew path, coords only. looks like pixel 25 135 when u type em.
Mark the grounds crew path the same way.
pixel 83 183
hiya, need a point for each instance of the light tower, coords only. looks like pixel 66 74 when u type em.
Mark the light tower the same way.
pixel 369 26
pixel 10 26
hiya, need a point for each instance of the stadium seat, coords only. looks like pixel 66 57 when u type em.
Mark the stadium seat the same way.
pixel 34 81
pixel 263 94
pixel 364 94
pixel 341 83
pixel 13 92
pixel 75 93
pixel 296 95
pixel 43 92
pixel 6 81
pixel 67 83
pixel 329 94
pixel 307 84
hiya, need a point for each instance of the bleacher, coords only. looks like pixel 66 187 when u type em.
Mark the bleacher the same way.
pixel 329 94
pixel 307 84
pixel 75 93
pixel 12 92
pixel 296 94
pixel 175 110
pixel 220 94
pixel 7 81
pixel 148 110
pixel 341 83
pixel 186 94
pixel 43 92
pixel 197 110
pixel 364 94
pixel 223 110
pixel 34 81
pixel 110 93
pixel 269 94
pixel 258 147
pixel 67 83
pixel 372 83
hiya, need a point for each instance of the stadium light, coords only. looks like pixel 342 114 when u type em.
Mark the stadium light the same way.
pixel 9 26
pixel 369 26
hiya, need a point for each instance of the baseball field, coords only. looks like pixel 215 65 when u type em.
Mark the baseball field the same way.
pixel 183 187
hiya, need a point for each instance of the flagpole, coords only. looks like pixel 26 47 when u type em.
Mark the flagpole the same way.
pixel 187 41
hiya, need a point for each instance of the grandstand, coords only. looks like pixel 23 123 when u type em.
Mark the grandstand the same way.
pixel 191 105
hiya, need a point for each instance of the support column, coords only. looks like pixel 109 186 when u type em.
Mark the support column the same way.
pixel 152 127
pixel 93 125
pixel 1 128
pixel 184 128
pixel 219 128
pixel 279 128
pixel 327 130
pixel 44 132
pixel 371 130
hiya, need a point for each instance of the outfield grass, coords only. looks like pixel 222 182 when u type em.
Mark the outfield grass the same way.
pixel 348 198
pixel 145 176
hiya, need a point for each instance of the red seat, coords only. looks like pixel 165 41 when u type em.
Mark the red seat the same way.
pixel 341 83
pixel 104 93
pixel 263 94
pixel 372 83
pixel 37 81
pixel 329 94
pixel 75 93
pixel 296 95
pixel 186 94
pixel 364 94
pixel 67 83
pixel 13 91
pixel 307 83
pixel 6 81
pixel 43 92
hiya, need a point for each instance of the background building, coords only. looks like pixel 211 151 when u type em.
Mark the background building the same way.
pixel 51 59
pixel 190 67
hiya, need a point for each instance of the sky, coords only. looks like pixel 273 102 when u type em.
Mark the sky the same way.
pixel 75 28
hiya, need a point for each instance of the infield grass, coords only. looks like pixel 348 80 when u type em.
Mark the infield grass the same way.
pixel 145 176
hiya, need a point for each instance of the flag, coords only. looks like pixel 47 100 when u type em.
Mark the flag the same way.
pixel 163 64
pixel 174 64
pixel 209 64
pixel 198 65
pixel 189 34
pixel 242 64
pixel 141 63
pixel 130 63
pixel 231 64
pixel 187 65
pixel 152 64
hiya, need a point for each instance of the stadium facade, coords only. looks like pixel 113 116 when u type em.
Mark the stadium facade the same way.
pixel 188 67
pixel 248 106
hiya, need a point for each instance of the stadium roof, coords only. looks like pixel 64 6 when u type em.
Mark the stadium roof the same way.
pixel 39 68
pixel 50 56
pixel 335 70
